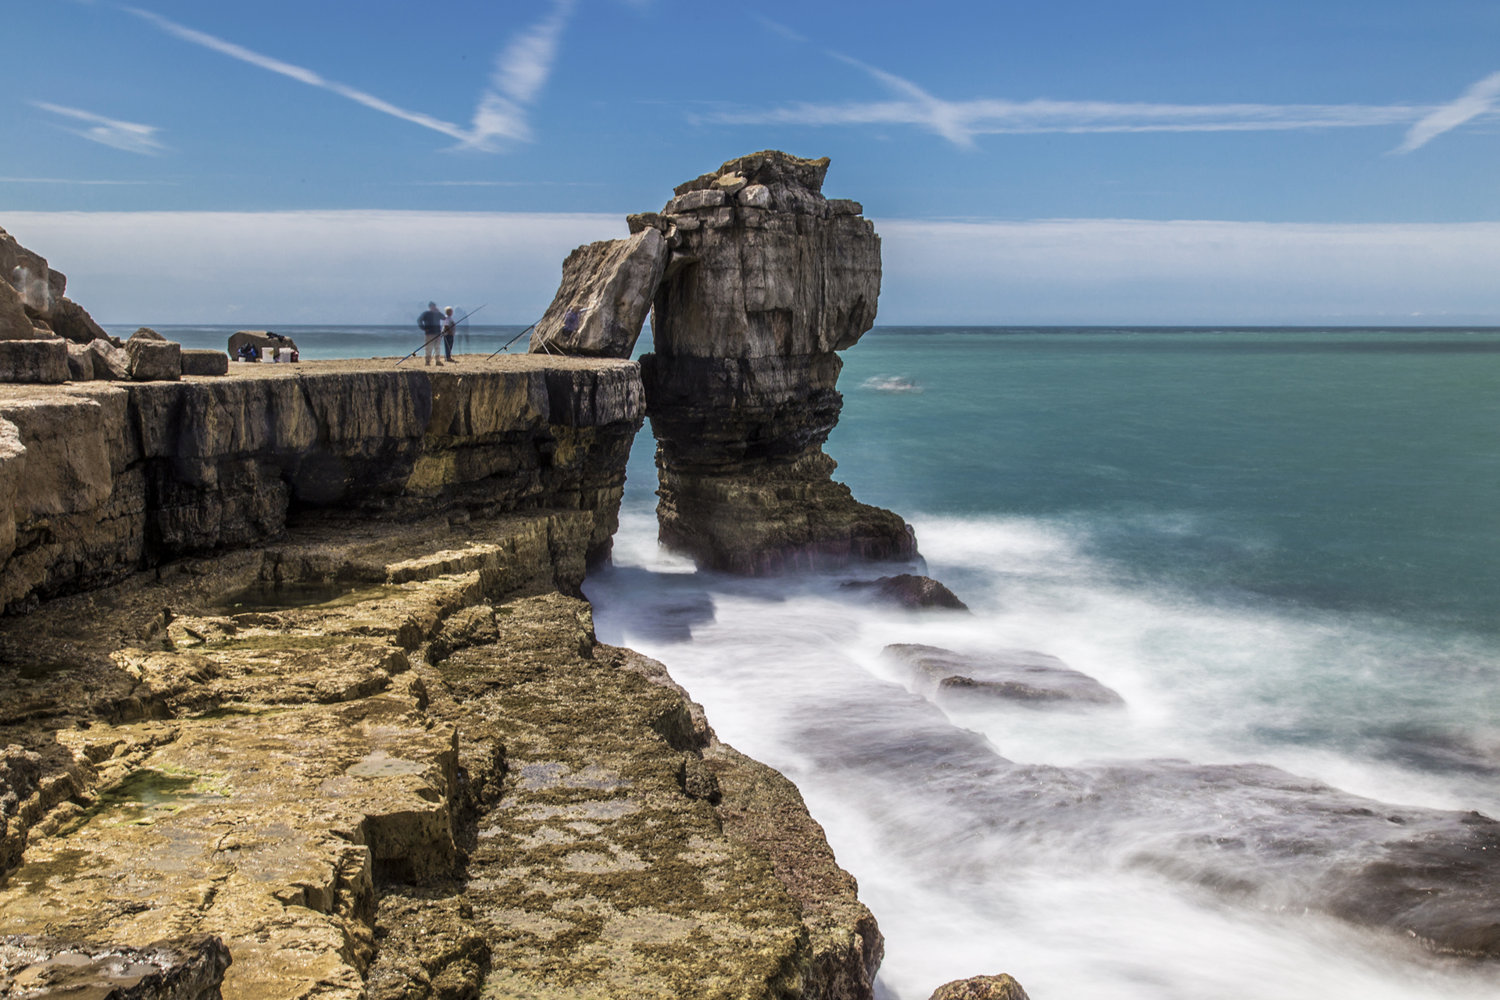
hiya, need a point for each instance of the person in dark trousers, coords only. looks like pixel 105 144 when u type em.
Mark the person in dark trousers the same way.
pixel 431 325
pixel 448 326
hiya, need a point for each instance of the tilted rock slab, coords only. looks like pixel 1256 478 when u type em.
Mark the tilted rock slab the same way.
pixel 766 281
pixel 604 297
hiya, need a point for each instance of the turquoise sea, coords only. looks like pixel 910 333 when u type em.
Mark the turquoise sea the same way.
pixel 1281 546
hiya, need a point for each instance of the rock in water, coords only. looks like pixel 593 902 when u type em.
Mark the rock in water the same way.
pixel 911 591
pixel 1017 675
pixel 1001 987
pixel 766 280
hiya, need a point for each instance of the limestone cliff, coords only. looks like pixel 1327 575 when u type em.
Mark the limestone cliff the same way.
pixel 97 481
pixel 767 280
pixel 756 282
pixel 350 732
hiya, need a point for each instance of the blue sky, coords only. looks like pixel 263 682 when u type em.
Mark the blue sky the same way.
pixel 1025 163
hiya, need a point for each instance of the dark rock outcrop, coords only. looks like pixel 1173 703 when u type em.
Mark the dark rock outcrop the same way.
pixel 180 969
pixel 71 321
pixel 767 279
pixel 1022 676
pixel 911 591
pixel 210 362
pixel 39 361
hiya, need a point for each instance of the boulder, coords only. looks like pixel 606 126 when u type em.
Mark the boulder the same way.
pixel 911 591
pixel 29 276
pixel 80 362
pixel 1001 987
pixel 15 324
pixel 35 360
pixel 110 362
pixel 604 297
pixel 195 362
pixel 153 358
pixel 1014 675
pixel 71 320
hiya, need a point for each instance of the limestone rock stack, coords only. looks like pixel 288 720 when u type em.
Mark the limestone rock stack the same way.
pixel 766 281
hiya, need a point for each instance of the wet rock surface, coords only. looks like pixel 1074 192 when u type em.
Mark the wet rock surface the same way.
pixel 910 591
pixel 183 969
pixel 391 760
pixel 1021 676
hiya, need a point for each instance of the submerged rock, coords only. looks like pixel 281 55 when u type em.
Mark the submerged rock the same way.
pixel 911 591
pixel 1017 675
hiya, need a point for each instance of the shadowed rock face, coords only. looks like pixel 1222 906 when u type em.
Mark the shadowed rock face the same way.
pixel 766 280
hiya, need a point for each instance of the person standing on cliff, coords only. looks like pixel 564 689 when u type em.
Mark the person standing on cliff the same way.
pixel 431 325
pixel 448 327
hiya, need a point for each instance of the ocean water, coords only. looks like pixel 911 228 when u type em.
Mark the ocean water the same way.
pixel 1281 547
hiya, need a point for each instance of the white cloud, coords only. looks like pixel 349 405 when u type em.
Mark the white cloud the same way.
pixel 341 267
pixel 132 137
pixel 333 267
pixel 1478 100
pixel 520 72
pixel 960 121
pixel 1123 271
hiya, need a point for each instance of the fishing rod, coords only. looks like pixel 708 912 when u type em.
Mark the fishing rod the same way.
pixel 506 345
pixel 433 339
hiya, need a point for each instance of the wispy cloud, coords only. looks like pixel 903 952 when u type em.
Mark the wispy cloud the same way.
pixel 133 137
pixel 1478 100
pixel 520 72
pixel 778 28
pixel 959 122
pixel 68 180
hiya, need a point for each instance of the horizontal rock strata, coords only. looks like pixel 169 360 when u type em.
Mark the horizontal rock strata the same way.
pixel 766 280
pixel 97 481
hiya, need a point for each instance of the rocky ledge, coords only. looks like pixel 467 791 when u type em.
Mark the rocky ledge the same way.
pixel 389 759
pixel 100 480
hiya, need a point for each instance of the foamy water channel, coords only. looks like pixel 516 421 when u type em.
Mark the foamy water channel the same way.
pixel 1047 844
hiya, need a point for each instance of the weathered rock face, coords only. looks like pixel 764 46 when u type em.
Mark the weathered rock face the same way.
pixel 766 280
pixel 102 479
pixel 604 297
pixel 153 357
pixel 388 759
pixel 27 273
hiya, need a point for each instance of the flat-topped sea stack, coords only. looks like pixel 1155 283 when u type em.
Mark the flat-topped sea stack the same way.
pixel 762 281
